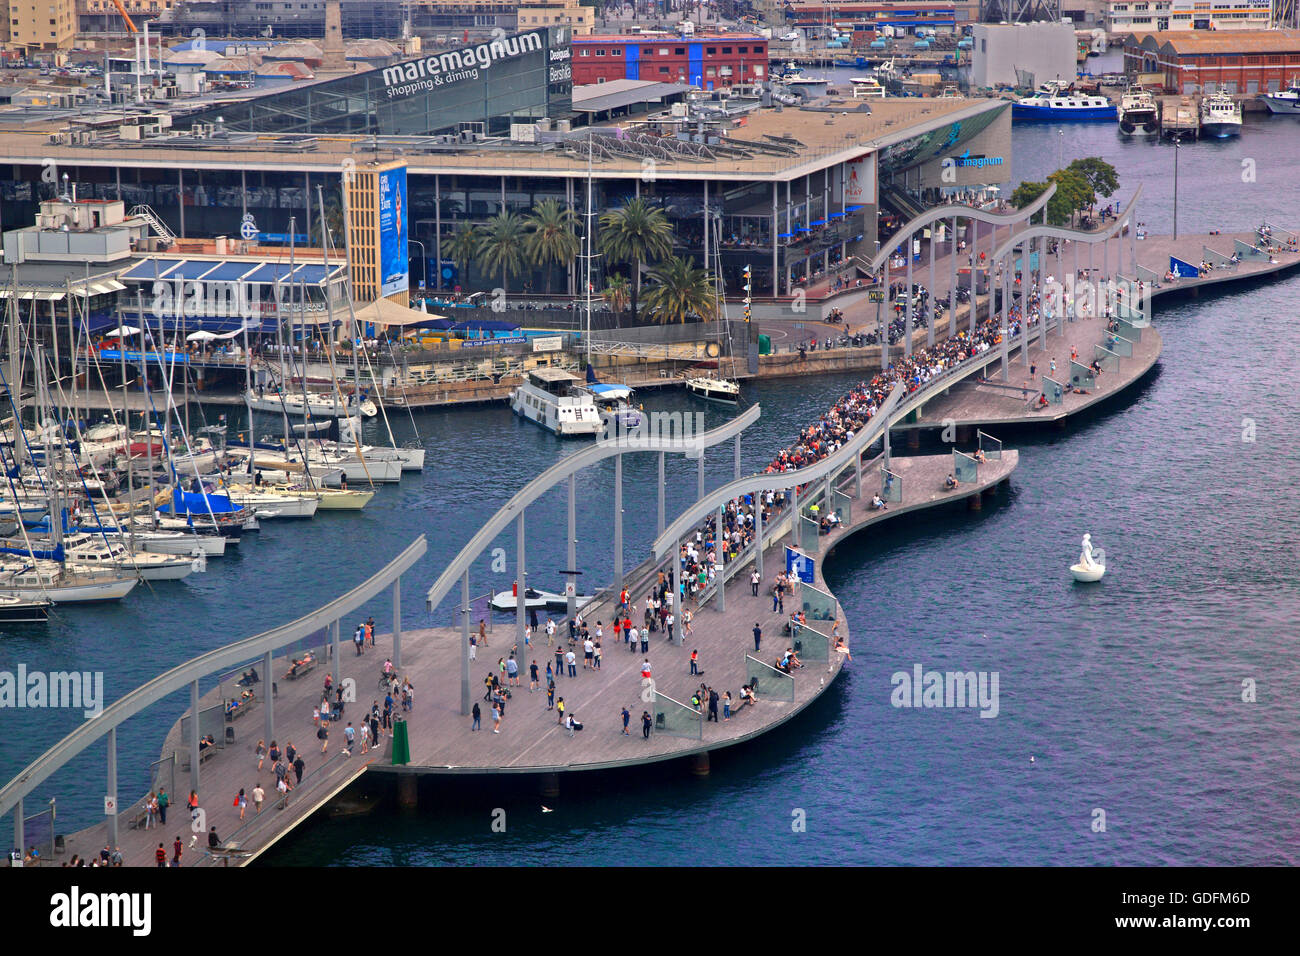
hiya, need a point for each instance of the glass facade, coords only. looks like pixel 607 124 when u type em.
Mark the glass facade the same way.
pixel 482 87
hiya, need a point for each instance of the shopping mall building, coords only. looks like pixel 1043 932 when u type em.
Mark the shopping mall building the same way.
pixel 459 135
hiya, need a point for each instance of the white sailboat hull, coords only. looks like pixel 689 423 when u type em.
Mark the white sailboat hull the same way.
pixel 75 591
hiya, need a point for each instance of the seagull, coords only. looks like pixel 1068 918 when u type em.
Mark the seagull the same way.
pixel 1031 759
pixel 546 809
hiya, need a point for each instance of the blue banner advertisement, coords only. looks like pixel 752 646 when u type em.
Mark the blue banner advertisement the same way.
pixel 800 565
pixel 167 358
pixel 394 260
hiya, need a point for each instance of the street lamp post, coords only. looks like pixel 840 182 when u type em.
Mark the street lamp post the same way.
pixel 424 261
pixel 1060 149
pixel 1177 143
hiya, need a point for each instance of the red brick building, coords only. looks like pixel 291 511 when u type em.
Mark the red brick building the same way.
pixel 708 62
pixel 1242 62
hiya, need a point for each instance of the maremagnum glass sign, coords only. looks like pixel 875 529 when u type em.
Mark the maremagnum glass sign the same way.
pixel 480 87
pixel 394 261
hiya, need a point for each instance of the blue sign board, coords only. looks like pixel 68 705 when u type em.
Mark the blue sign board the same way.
pixel 800 565
pixel 1183 270
pixel 167 358
pixel 394 260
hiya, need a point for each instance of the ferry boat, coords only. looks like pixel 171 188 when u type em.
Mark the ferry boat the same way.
pixel 1063 106
pixel 1220 116
pixel 551 397
pixel 1138 114
pixel 1284 101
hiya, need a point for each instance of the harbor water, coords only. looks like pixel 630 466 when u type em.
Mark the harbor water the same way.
pixel 1128 696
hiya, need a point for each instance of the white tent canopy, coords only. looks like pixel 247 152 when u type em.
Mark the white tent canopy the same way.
pixel 384 312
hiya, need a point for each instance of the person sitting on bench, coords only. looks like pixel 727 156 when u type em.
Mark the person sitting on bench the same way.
pixel 877 504
pixel 747 695
pixel 304 662
pixel 950 482
pixel 206 742
pixel 979 456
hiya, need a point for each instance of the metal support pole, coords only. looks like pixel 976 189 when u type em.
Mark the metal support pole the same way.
pixel 795 523
pixel 699 476
pixel 907 340
pixel 1006 372
pixel 857 476
pixel 618 522
pixel 758 533
pixel 932 298
pixel 194 736
pixel 736 466
pixel 1105 258
pixel 885 460
pixel 522 572
pixel 674 571
pixel 111 790
pixel 1026 279
pixel 464 646
pixel 952 281
pixel 572 553
pixel 721 566
pixel 397 622
pixel 660 524
pixel 268 701
pixel 334 649
pixel 974 268
pixel 20 835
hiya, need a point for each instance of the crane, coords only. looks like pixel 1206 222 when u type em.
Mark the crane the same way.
pixel 125 16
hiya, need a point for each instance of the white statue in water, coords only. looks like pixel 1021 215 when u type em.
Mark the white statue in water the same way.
pixel 1088 568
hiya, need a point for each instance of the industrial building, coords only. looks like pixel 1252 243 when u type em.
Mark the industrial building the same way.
pixel 1022 54
pixel 1177 15
pixel 706 61
pixel 1245 62
pixel 38 27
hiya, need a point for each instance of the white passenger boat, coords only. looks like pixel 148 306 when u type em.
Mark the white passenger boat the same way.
pixel 553 398
pixel 1220 116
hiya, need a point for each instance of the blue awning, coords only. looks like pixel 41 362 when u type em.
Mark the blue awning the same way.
pixel 154 268
pixel 271 272
pixel 485 325
pixel 230 271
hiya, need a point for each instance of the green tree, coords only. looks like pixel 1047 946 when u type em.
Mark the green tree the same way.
pixel 1073 194
pixel 681 289
pixel 1026 194
pixel 1101 176
pixel 501 247
pixel 463 246
pixel 617 292
pixel 551 239
pixel 635 233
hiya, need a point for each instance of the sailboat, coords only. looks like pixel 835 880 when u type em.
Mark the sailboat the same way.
pixel 717 388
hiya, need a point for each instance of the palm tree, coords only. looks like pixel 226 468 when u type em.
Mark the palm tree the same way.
pixel 501 246
pixel 328 223
pixel 551 239
pixel 463 246
pixel 681 289
pixel 616 292
pixel 636 233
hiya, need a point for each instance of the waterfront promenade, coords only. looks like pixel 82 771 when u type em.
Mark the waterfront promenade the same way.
pixel 531 740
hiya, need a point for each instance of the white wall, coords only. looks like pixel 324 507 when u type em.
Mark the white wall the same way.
pixel 1048 50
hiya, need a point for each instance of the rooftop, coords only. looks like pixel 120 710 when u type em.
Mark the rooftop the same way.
pixel 1203 42
pixel 819 138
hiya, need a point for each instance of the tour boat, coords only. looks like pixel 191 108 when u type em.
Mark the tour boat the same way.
pixel 1063 107
pixel 553 398
pixel 1138 114
pixel 1220 115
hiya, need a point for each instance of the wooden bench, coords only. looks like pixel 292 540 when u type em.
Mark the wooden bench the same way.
pixel 300 671
pixel 139 817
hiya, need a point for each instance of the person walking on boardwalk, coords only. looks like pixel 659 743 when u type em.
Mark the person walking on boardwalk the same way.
pixel 645 724
pixel 193 804
pixel 588 654
pixel 512 672
pixel 359 638
pixel 572 660
pixel 758 637
pixel 550 632
pixel 550 695
pixel 477 714
pixel 559 660
pixel 160 856
pixel 177 849
pixel 668 622
pixel 695 661
pixel 726 706
pixel 323 735
pixel 532 677
pixel 776 596
pixel 627 719
pixel 595 660
pixel 496 718
pixel 482 633
pixel 753 582
pixel 258 796
pixel 164 802
pixel 349 738
pixel 473 647
pixel 370 631
pixel 298 767
pixel 559 709
pixel 713 705
pixel 241 801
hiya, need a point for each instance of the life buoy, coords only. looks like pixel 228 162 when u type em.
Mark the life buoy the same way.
pixel 712 350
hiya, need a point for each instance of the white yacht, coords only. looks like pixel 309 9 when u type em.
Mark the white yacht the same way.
pixel 42 580
pixel 94 551
pixel 1284 101
pixel 867 87
pixel 1220 116
pixel 318 404
pixel 553 398
pixel 714 389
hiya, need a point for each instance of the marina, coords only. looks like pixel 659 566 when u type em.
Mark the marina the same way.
pixel 671 353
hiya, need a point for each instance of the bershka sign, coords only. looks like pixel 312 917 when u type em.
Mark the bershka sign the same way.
pixel 442 69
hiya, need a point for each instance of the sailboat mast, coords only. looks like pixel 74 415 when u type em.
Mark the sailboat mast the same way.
pixel 586 339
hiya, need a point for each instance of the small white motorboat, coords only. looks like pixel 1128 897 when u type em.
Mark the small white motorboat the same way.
pixel 1089 568
pixel 533 598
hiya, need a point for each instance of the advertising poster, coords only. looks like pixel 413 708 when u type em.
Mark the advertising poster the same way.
pixel 394 262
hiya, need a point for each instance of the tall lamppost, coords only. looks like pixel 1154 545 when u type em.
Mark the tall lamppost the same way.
pixel 1060 148
pixel 1177 142
pixel 424 261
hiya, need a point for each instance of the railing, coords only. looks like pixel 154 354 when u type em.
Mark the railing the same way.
pixel 154 221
